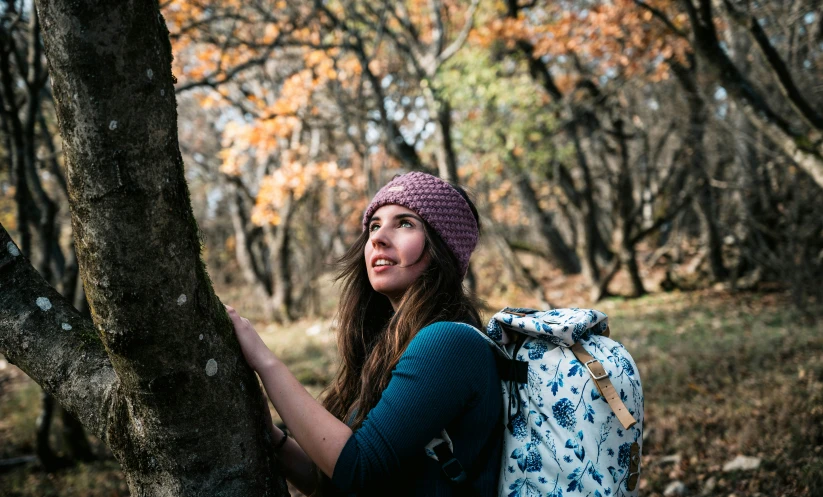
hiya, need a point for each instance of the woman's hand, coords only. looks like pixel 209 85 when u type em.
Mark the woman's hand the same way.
pixel 254 350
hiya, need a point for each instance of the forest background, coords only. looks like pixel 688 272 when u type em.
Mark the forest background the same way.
pixel 660 160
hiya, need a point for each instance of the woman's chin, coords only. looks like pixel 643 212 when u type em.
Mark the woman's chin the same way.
pixel 389 291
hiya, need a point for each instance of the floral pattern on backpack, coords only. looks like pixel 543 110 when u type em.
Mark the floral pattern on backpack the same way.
pixel 562 437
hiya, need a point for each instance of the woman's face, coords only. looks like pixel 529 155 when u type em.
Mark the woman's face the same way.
pixel 394 252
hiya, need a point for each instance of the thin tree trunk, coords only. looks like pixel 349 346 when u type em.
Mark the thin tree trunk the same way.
pixel 626 209
pixel 250 268
pixel 704 203
pixel 48 459
pixel 444 152
pixel 594 249
pixel 74 436
pixel 278 240
pixel 560 252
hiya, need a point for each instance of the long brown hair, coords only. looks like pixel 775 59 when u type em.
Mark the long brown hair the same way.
pixel 371 338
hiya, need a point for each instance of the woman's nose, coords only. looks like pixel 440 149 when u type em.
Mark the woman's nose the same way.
pixel 378 237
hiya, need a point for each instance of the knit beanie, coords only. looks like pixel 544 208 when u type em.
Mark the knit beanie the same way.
pixel 439 204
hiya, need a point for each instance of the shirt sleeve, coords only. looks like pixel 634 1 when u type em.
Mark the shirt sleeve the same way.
pixel 433 382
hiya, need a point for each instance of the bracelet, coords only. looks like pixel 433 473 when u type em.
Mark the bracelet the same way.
pixel 282 442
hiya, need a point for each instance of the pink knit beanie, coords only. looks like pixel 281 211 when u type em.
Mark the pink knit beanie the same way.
pixel 439 204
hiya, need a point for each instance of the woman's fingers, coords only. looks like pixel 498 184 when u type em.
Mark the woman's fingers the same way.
pixel 254 349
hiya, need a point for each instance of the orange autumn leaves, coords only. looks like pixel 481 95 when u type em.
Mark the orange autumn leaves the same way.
pixel 277 89
pixel 614 37
pixel 293 179
pixel 211 38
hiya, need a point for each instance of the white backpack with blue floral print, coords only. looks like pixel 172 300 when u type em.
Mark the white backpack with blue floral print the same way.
pixel 574 417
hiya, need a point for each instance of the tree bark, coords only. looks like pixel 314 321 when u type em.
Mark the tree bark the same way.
pixel 440 110
pixel 560 252
pixel 704 202
pixel 42 334
pixel 163 383
pixel 277 238
pixel 625 211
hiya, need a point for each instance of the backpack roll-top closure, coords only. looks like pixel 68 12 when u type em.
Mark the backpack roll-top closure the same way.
pixel 563 327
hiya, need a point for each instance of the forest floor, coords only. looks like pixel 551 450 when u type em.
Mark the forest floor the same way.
pixel 724 375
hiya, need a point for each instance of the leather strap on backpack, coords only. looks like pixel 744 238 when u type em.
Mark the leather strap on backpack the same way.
pixel 604 385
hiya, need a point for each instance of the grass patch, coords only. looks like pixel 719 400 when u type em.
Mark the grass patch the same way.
pixel 726 376
pixel 19 407
pixel 98 479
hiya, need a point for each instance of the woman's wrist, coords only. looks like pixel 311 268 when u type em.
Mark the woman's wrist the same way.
pixel 267 361
pixel 278 445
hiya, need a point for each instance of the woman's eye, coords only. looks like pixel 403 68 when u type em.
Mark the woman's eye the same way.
pixel 373 226
pixel 406 223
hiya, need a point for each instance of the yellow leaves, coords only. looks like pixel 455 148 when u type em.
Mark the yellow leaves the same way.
pixel 208 100
pixel 509 30
pixel 322 63
pixel 315 57
pixel 375 67
pixel 258 139
pixel 500 192
pixel 270 33
pixel 291 181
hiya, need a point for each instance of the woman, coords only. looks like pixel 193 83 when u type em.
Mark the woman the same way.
pixel 409 367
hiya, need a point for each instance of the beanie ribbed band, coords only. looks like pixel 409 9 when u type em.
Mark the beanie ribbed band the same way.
pixel 439 204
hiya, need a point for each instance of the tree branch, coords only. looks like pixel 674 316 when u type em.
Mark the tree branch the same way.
pixel 42 334
pixel 662 17
pixel 462 37
pixel 778 66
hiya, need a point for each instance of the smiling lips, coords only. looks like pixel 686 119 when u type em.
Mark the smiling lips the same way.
pixel 381 263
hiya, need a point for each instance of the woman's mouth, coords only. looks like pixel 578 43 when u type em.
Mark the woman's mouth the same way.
pixel 381 265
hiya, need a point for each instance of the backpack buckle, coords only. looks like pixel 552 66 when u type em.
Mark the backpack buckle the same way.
pixel 634 467
pixel 596 378
pixel 631 482
pixel 454 470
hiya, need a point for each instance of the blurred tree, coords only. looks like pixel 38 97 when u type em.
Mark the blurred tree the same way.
pixel 24 97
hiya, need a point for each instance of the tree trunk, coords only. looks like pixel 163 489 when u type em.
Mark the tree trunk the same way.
pixel 48 458
pixel 625 210
pixel 446 157
pixel 251 269
pixel 704 202
pixel 278 240
pixel 594 248
pixel 74 437
pixel 560 252
pixel 169 393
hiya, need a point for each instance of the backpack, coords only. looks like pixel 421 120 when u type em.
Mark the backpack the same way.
pixel 573 422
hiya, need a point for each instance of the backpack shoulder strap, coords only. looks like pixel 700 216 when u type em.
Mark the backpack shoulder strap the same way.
pixel 455 472
pixel 604 385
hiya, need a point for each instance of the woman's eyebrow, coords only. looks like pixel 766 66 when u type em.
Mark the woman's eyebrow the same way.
pixel 401 216
pixel 397 216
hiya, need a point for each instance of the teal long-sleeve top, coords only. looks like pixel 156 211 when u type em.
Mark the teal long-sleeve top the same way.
pixel 446 378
